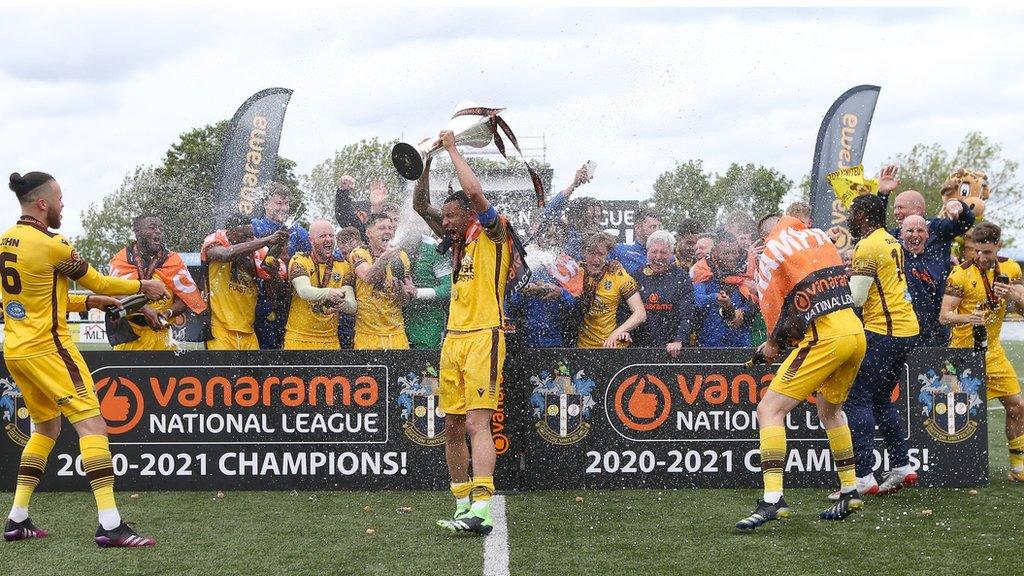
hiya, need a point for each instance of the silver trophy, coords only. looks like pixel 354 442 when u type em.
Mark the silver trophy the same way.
pixel 469 129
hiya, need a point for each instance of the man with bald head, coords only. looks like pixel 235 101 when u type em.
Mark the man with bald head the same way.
pixel 959 217
pixel 925 281
pixel 914 233
pixel 322 289
pixel 908 203
pixel 941 231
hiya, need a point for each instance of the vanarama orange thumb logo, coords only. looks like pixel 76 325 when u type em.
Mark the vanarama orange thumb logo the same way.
pixel 642 402
pixel 121 404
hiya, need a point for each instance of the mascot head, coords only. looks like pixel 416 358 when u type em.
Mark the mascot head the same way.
pixel 970 186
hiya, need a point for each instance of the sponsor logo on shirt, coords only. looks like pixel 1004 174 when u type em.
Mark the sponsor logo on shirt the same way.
pixel 15 310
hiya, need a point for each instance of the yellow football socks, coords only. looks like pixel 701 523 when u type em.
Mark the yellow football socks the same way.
pixel 1017 453
pixel 461 489
pixel 99 469
pixel 841 443
pixel 773 460
pixel 33 464
pixel 483 488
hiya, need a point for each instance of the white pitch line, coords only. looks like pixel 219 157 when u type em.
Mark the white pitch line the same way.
pixel 496 544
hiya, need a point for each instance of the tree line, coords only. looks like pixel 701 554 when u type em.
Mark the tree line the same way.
pixel 180 187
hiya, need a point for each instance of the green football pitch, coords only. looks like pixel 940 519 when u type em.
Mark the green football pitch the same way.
pixel 644 532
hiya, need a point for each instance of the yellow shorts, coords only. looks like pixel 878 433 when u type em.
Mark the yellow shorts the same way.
pixel 827 366
pixel 231 340
pixel 471 370
pixel 292 342
pixel 148 340
pixel 363 341
pixel 1000 377
pixel 54 384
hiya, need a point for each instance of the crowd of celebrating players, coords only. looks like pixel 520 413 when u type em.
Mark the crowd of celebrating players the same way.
pixel 268 283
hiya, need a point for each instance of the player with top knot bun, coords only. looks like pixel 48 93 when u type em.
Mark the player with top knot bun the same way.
pixel 36 266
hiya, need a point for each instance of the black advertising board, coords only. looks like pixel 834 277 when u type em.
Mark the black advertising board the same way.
pixel 638 418
pixel 276 420
pixel 268 420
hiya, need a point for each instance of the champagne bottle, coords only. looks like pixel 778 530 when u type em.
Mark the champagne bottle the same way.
pixel 980 333
pixel 273 253
pixel 727 311
pixel 397 268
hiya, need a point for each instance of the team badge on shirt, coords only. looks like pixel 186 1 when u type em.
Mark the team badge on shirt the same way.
pixel 562 405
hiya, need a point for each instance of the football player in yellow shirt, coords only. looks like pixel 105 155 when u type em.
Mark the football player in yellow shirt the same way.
pixel 473 350
pixel 798 264
pixel 605 284
pixel 977 294
pixel 235 259
pixel 36 266
pixel 879 285
pixel 322 289
pixel 383 288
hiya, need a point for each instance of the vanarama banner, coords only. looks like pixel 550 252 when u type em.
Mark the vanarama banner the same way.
pixel 635 418
pixel 841 140
pixel 362 420
pixel 261 421
pixel 249 153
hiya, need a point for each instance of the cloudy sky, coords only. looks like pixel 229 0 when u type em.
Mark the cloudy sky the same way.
pixel 88 94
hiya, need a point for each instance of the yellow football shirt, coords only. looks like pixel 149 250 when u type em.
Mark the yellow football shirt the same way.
pixel 232 299
pixel 888 309
pixel 378 310
pixel 35 268
pixel 969 284
pixel 478 297
pixel 307 320
pixel 76 302
pixel 613 286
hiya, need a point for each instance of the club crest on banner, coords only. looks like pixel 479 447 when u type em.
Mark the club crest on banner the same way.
pixel 423 418
pixel 562 404
pixel 950 402
pixel 14 413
